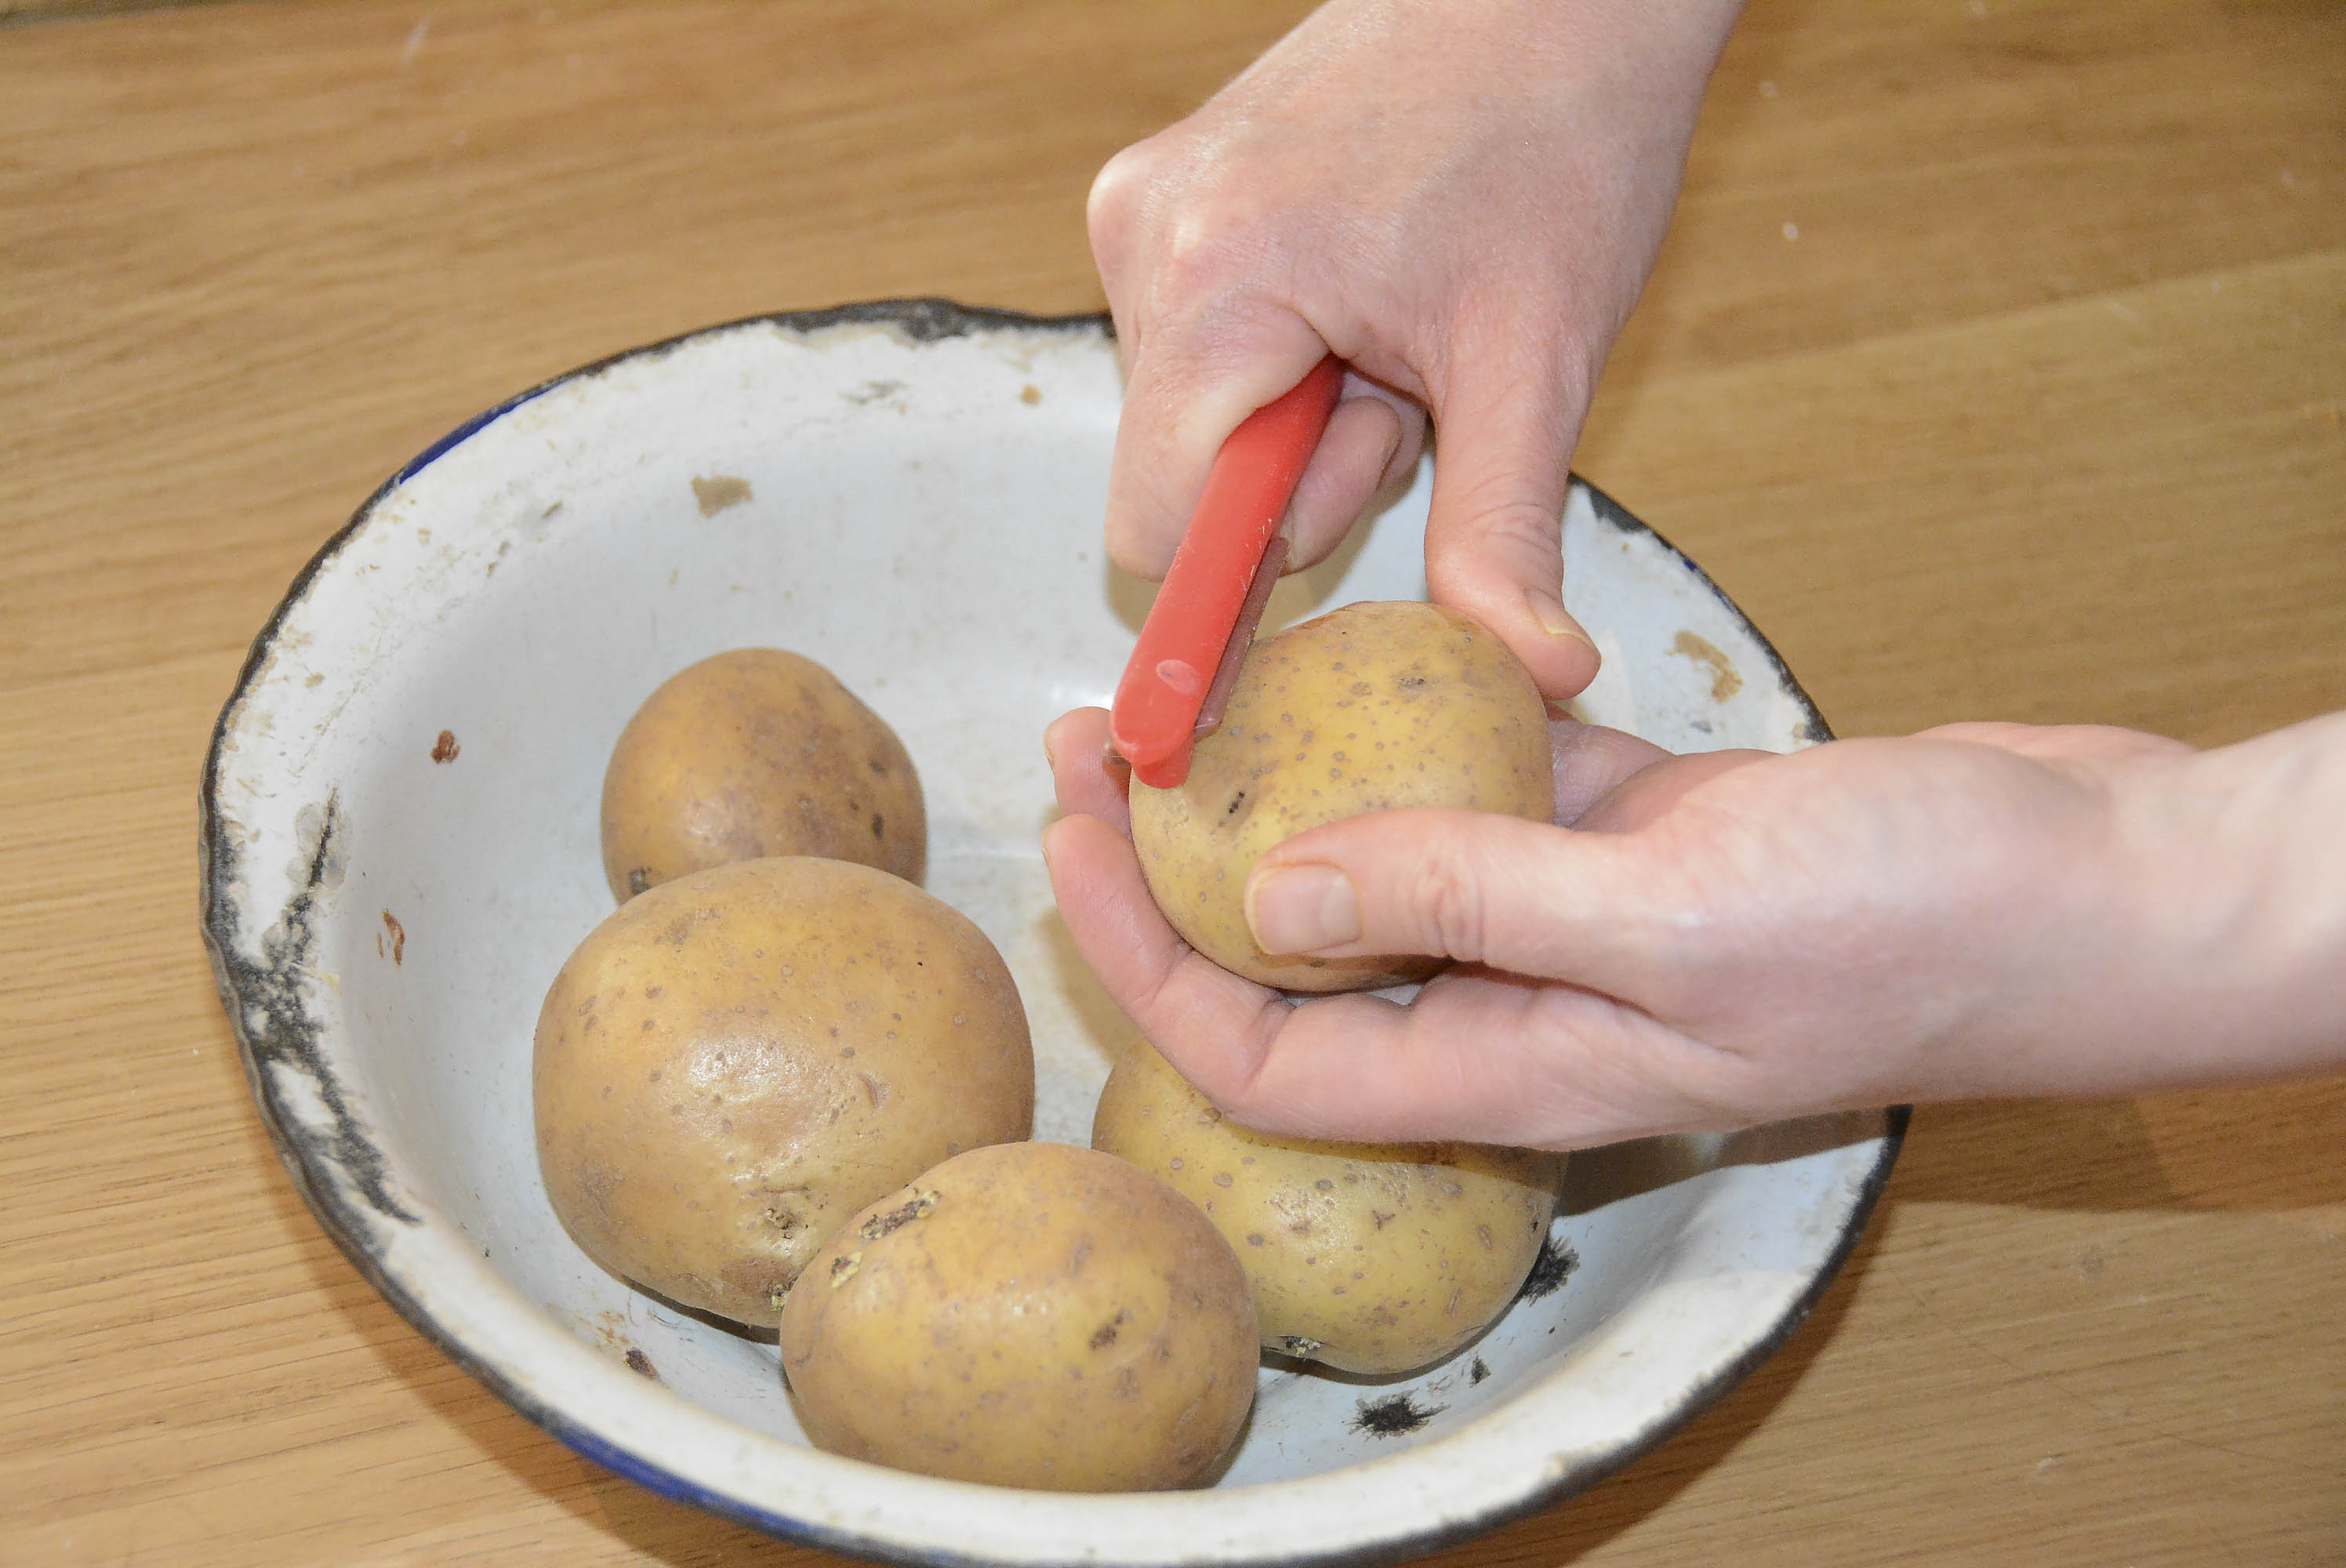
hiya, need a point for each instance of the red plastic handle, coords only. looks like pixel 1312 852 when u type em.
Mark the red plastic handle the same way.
pixel 1223 566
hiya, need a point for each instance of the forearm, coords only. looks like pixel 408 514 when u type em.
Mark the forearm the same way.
pixel 1687 33
pixel 2192 932
pixel 2257 836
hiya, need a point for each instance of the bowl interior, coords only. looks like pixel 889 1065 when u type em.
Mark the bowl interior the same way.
pixel 402 848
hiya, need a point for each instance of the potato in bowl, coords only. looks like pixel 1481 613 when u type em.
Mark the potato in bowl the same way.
pixel 737 1060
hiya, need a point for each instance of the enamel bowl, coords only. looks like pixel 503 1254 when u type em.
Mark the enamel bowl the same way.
pixel 400 844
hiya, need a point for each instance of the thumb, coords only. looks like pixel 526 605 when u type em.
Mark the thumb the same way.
pixel 1504 430
pixel 1526 897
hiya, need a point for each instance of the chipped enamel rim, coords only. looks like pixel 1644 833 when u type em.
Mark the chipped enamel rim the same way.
pixel 1503 1465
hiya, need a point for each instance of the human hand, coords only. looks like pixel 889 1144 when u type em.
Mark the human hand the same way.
pixel 1461 201
pixel 1725 938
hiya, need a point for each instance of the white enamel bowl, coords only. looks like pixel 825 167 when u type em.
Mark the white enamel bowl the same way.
pixel 400 849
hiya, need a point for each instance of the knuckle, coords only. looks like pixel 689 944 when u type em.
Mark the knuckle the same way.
pixel 1447 899
pixel 1116 191
pixel 1502 510
pixel 1119 182
pixel 1227 1085
pixel 1216 240
pixel 1196 265
pixel 1515 542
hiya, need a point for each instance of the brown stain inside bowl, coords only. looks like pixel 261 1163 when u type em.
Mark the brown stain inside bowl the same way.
pixel 717 492
pixel 1724 680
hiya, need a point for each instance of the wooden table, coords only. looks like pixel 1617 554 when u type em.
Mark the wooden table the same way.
pixel 1997 365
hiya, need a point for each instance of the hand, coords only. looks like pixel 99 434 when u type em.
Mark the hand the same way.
pixel 1461 201
pixel 1711 940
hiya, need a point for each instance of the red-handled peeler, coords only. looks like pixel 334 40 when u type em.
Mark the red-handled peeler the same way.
pixel 1179 679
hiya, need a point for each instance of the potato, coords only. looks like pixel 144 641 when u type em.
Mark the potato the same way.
pixel 1368 1258
pixel 1372 706
pixel 751 753
pixel 1031 1315
pixel 733 1062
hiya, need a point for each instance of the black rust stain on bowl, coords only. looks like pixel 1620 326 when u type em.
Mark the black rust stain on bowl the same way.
pixel 267 1005
pixel 1395 1415
pixel 1550 1269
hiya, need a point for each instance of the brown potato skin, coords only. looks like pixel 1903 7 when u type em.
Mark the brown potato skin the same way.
pixel 1367 1257
pixel 753 753
pixel 733 1062
pixel 1033 1315
pixel 1369 708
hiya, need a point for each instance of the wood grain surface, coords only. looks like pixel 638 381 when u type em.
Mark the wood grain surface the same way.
pixel 1996 365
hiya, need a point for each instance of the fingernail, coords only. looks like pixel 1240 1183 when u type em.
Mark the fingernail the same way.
pixel 1385 475
pixel 1303 908
pixel 1550 612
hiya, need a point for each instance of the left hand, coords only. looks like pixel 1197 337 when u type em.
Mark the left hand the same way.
pixel 1727 938
pixel 1223 1032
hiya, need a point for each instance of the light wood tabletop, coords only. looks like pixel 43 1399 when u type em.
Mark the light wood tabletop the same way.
pixel 1996 366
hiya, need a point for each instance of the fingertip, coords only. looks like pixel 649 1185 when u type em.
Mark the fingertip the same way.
pixel 1076 731
pixel 1344 473
pixel 1552 644
pixel 1083 778
pixel 1546 639
pixel 1055 838
pixel 1507 580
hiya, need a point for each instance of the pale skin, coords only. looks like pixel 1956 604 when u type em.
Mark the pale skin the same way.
pixel 1471 255
pixel 1698 943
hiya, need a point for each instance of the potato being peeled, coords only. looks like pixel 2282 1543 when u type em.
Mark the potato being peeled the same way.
pixel 753 753
pixel 1373 706
pixel 733 1062
pixel 1033 1315
pixel 1369 1257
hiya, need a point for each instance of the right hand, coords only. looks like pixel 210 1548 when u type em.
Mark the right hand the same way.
pixel 1460 200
